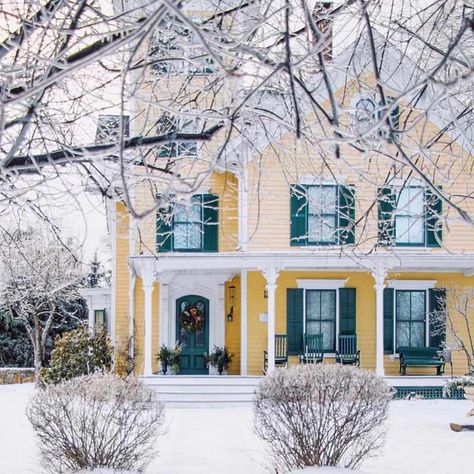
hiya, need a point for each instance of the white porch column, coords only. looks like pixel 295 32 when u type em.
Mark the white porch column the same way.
pixel 220 315
pixel 164 316
pixel 147 353
pixel 271 275
pixel 243 323
pixel 379 277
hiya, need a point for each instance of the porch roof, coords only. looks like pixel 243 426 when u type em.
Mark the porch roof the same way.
pixel 305 261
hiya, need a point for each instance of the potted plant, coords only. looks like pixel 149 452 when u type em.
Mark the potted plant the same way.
pixel 466 383
pixel 220 358
pixel 170 358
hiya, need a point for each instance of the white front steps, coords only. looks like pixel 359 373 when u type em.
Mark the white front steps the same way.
pixel 204 389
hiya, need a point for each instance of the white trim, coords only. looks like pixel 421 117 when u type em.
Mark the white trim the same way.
pixel 321 284
pixel 315 180
pixel 412 284
pixel 243 323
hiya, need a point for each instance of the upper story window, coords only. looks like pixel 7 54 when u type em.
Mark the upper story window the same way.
pixel 322 215
pixel 108 128
pixel 170 124
pixel 370 113
pixel 179 50
pixel 192 228
pixel 409 216
pixel 187 226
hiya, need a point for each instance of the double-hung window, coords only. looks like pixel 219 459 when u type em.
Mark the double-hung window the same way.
pixel 414 315
pixel 409 216
pixel 410 318
pixel 322 215
pixel 168 124
pixel 323 307
pixel 321 316
pixel 189 228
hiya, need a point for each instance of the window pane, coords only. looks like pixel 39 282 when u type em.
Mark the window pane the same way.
pixel 328 229
pixel 180 236
pixel 328 305
pixel 417 335
pixel 402 224
pixel 403 305
pixel 314 228
pixel 313 305
pixel 403 334
pixel 416 230
pixel 328 330
pixel 417 305
pixel 313 327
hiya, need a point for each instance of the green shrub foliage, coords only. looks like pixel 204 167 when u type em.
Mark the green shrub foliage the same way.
pixel 79 352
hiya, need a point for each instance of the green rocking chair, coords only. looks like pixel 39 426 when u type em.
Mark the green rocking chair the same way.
pixel 313 349
pixel 347 354
pixel 281 353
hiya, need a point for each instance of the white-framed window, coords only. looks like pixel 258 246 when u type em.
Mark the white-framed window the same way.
pixel 322 214
pixel 410 216
pixel 169 124
pixel 411 313
pixel 321 309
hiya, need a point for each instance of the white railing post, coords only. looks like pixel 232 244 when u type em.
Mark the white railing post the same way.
pixel 271 275
pixel 379 277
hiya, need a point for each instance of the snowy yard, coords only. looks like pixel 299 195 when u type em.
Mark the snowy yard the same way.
pixel 221 440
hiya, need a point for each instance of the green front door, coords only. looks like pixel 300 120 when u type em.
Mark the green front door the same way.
pixel 195 343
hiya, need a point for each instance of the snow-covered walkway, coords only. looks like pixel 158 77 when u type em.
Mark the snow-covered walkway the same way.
pixel 221 440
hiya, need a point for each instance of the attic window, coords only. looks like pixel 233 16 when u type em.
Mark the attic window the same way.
pixel 324 22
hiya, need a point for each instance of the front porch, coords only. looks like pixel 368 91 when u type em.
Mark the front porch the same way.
pixel 248 302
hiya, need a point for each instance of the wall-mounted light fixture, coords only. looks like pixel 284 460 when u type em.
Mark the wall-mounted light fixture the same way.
pixel 230 316
pixel 265 293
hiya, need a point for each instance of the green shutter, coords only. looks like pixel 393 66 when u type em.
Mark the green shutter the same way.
pixel 388 296
pixel 164 229
pixel 437 302
pixel 210 216
pixel 386 208
pixel 298 222
pixel 347 311
pixel 346 215
pixel 294 320
pixel 434 229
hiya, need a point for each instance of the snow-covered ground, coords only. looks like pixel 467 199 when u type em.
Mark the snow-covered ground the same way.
pixel 221 440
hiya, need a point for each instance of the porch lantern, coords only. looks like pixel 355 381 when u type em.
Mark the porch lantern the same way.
pixel 230 316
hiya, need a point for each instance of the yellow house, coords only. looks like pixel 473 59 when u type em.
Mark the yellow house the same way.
pixel 281 244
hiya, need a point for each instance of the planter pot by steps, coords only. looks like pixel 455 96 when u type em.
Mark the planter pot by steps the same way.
pixel 469 395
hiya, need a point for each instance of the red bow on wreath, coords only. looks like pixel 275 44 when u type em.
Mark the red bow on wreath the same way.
pixel 191 319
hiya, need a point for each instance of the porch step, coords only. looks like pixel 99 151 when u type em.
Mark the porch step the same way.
pixel 204 390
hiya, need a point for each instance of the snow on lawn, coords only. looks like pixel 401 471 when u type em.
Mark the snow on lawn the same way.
pixel 221 440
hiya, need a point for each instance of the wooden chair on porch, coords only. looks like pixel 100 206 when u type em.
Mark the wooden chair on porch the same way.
pixel 347 354
pixel 281 353
pixel 313 349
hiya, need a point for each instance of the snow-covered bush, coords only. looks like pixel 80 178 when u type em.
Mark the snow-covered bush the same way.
pixel 78 352
pixel 96 421
pixel 321 415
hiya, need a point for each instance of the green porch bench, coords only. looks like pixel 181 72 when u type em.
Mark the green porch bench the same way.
pixel 421 357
